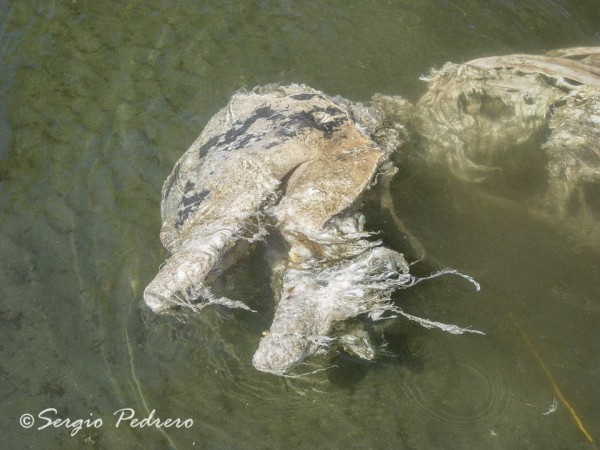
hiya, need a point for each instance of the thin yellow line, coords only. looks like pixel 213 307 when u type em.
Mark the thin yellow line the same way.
pixel 555 387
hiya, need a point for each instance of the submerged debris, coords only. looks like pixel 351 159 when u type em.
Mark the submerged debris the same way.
pixel 295 159
pixel 573 150
pixel 552 408
pixel 520 113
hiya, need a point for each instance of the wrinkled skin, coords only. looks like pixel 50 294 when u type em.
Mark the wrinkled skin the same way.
pixel 492 115
pixel 296 159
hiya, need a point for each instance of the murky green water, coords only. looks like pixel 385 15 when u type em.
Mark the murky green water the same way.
pixel 97 102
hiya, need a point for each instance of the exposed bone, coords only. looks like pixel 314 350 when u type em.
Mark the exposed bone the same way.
pixel 573 52
pixel 550 66
pixel 586 55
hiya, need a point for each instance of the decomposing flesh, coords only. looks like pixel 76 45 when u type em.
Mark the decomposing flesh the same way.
pixel 294 159
pixel 483 116
pixel 573 149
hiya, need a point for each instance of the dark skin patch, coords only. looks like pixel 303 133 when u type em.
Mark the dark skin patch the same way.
pixel 207 146
pixel 266 112
pixel 241 143
pixel 194 199
pixel 190 204
pixel 289 126
pixel 303 96
pixel 188 187
pixel 329 110
pixel 231 135
pixel 306 119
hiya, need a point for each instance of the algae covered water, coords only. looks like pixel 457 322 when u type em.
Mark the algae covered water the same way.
pixel 97 102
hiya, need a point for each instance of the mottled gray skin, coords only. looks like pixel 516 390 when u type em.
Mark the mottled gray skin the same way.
pixel 518 110
pixel 297 159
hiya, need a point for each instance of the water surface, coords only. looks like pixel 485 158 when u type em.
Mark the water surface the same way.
pixel 97 102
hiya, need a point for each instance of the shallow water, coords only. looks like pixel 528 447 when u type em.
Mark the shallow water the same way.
pixel 97 102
